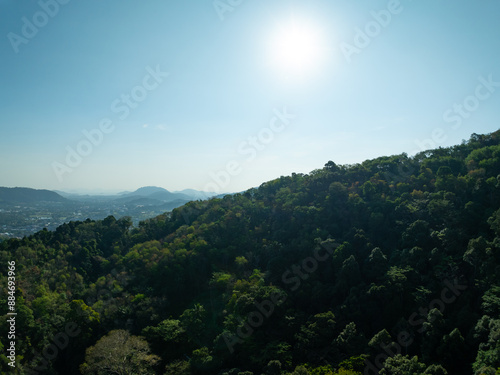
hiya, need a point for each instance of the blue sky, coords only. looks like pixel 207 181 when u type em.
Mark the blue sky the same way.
pixel 172 92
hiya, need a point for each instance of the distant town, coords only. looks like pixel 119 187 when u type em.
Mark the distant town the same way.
pixel 27 213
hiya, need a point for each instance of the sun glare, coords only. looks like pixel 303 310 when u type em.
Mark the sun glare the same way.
pixel 296 48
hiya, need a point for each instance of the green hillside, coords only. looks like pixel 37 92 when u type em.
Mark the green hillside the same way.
pixel 389 266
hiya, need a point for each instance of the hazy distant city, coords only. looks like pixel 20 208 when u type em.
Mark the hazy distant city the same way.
pixel 26 211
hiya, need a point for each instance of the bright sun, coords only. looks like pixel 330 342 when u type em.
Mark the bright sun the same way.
pixel 296 48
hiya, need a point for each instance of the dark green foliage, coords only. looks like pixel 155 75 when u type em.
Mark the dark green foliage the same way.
pixel 391 265
pixel 402 365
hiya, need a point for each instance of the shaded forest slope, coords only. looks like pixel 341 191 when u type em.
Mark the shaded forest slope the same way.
pixel 337 270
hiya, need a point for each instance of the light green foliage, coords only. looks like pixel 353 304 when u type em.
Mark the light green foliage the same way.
pixel 241 261
pixel 119 353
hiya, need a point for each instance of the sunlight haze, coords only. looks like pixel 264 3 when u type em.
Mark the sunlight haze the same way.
pixel 117 95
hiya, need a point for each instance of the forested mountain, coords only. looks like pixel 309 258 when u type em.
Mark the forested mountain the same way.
pixel 388 266
pixel 26 195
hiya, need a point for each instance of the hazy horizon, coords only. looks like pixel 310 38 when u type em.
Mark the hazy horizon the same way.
pixel 99 191
pixel 218 97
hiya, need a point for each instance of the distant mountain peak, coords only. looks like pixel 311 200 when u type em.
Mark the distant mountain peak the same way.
pixel 148 190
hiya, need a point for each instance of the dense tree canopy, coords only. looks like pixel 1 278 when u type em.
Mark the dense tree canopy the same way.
pixel 391 266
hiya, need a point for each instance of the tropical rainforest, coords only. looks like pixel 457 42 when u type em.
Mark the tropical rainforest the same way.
pixel 389 266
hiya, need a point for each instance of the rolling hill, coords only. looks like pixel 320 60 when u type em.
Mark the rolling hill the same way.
pixel 27 195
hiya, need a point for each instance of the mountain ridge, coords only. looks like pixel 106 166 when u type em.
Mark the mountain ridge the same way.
pixel 28 195
pixel 319 273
